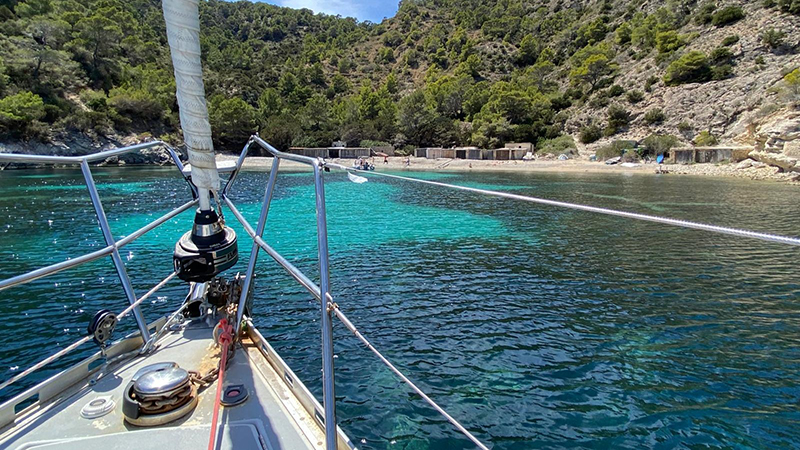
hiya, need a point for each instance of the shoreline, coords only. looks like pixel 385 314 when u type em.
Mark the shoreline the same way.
pixel 396 163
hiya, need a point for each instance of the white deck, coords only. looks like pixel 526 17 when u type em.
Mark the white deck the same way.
pixel 272 418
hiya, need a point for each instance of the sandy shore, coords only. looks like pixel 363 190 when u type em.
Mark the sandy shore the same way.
pixel 397 163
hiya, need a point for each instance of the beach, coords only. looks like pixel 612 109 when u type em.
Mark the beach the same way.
pixel 398 163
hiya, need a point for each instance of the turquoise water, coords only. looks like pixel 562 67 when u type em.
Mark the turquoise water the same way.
pixel 537 327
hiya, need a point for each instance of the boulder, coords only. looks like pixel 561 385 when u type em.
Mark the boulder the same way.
pixel 783 128
pixel 779 160
pixel 792 149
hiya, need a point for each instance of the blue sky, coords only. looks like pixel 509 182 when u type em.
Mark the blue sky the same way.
pixel 372 10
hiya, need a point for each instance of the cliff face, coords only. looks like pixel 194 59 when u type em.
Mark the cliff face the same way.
pixel 741 109
pixel 78 144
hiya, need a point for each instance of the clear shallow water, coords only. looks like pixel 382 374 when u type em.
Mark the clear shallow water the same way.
pixel 537 327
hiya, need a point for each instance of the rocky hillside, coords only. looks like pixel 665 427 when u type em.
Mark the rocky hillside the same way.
pixel 569 75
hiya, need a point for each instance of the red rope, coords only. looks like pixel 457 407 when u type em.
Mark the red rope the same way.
pixel 225 339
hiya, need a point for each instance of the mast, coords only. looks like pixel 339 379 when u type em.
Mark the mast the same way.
pixel 183 33
pixel 210 247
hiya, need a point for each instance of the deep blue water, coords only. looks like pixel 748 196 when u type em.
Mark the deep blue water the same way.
pixel 536 327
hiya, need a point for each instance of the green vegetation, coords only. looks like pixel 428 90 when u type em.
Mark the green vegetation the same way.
pixel 727 16
pixel 693 67
pixel 705 13
pixel 773 38
pixel 614 149
pixel 439 73
pixel 634 97
pixel 655 116
pixel 557 146
pixel 648 85
pixel 657 144
pixel 792 82
pixel 618 118
pixel 730 40
pixel 669 41
pixel 705 139
pixel 590 134
pixel 788 6
pixel 20 114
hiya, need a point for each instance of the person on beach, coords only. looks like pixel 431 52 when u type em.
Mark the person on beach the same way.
pixel 408 161
pixel 386 159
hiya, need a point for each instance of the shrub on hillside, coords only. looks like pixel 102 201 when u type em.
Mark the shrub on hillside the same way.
pixel 136 103
pixel 705 139
pixel 20 114
pixel 773 38
pixel 634 96
pixel 657 144
pixel 727 16
pixel 669 41
pixel 557 146
pixel 693 67
pixel 792 81
pixel 722 72
pixel 730 40
pixel 648 85
pixel 654 116
pixel 590 134
pixel 720 55
pixel 615 90
pixel 618 118
pixel 631 156
pixel 789 6
pixel 705 13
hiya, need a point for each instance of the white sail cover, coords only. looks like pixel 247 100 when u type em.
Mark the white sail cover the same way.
pixel 183 32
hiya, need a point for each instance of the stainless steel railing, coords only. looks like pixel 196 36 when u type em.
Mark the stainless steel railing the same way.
pixel 321 292
pixel 329 308
pixel 112 246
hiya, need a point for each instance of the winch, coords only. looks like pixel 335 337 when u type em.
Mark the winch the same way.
pixel 158 394
pixel 205 251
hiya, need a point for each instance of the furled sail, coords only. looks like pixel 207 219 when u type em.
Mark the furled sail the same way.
pixel 183 33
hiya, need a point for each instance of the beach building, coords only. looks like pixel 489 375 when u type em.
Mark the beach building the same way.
pixel 469 153
pixel 421 152
pixel 690 155
pixel 352 152
pixel 526 146
pixel 510 152
pixel 437 153
pixel 498 154
pixel 310 152
pixel 339 149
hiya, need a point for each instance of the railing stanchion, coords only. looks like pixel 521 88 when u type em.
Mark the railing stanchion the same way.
pixel 328 397
pixel 251 264
pixel 109 238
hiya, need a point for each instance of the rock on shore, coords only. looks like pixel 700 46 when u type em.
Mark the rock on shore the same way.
pixel 78 144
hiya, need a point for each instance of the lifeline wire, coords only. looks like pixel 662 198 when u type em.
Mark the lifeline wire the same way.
pixel 610 212
pixel 349 325
pixel 82 340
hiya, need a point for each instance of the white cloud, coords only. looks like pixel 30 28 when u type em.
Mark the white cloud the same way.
pixel 347 8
